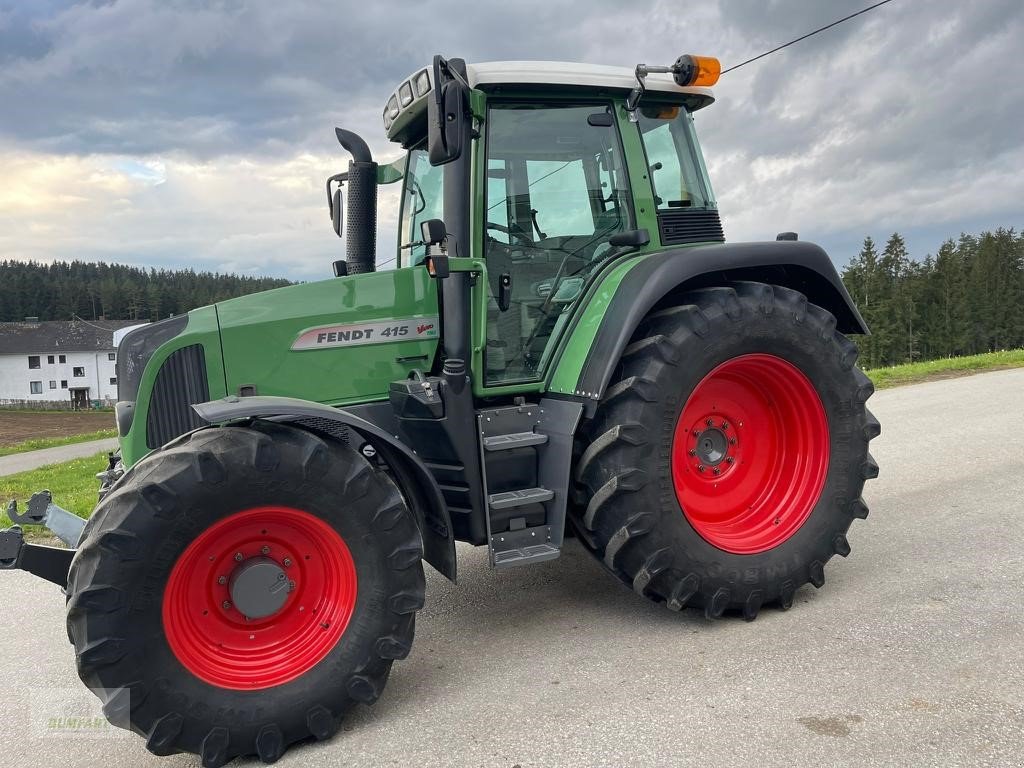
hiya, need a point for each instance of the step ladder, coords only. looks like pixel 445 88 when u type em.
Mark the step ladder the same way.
pixel 526 456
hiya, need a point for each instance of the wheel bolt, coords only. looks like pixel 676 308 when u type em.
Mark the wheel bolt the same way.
pixel 225 605
pixel 265 550
pixel 729 459
pixel 725 425
pixel 287 562
pixel 710 423
pixel 238 557
pixel 222 580
pixel 732 441
pixel 280 577
pixel 693 451
pixel 700 467
pixel 717 471
pixel 291 585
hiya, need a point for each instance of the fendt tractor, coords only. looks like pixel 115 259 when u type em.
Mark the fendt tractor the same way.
pixel 565 347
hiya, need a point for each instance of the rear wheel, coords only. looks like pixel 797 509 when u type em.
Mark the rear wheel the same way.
pixel 725 463
pixel 242 589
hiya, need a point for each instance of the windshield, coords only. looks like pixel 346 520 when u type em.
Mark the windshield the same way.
pixel 422 199
pixel 677 167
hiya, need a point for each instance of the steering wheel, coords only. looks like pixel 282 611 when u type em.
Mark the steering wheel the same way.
pixel 518 233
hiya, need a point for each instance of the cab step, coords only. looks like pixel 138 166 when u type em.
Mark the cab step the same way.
pixel 515 440
pixel 519 498
pixel 526 490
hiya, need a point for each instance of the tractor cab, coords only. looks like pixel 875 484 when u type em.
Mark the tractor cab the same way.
pixel 566 166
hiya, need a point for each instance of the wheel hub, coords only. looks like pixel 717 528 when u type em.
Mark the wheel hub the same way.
pixel 712 446
pixel 259 587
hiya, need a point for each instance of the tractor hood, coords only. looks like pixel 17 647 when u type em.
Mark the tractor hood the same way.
pixel 338 341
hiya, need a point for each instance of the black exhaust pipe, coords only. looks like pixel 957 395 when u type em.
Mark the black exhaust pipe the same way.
pixel 361 227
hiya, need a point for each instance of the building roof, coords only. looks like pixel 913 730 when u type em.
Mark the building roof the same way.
pixel 49 336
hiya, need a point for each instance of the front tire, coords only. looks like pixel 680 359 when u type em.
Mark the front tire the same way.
pixel 241 589
pixel 726 460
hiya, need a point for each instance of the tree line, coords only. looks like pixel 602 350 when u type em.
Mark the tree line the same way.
pixel 966 299
pixel 66 290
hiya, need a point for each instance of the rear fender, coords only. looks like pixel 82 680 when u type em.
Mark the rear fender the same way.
pixel 413 478
pixel 605 327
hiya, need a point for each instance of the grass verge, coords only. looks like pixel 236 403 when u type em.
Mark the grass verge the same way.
pixel 52 442
pixel 946 368
pixel 73 484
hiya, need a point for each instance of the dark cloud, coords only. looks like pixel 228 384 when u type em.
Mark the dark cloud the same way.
pixel 904 117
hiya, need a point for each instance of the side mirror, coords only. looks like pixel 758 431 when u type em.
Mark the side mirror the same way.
pixel 433 233
pixel 446 118
pixel 336 215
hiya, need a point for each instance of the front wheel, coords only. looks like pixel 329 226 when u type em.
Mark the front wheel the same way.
pixel 243 588
pixel 725 463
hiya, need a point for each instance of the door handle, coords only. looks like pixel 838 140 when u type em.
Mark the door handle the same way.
pixel 504 291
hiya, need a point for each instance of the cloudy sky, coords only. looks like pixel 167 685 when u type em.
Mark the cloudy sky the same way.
pixel 167 133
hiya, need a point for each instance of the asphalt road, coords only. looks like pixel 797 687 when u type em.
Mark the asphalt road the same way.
pixel 912 653
pixel 20 462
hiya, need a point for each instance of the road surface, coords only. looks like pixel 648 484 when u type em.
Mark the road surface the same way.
pixel 21 462
pixel 910 655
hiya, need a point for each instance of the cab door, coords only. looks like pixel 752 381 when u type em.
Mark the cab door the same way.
pixel 555 193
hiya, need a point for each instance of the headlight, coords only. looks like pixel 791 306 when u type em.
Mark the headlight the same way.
pixel 422 83
pixel 405 93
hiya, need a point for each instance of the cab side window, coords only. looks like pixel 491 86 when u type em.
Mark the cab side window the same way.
pixel 422 199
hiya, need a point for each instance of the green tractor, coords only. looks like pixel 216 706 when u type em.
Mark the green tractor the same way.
pixel 566 347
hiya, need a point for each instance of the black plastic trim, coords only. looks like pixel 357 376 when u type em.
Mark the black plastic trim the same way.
pixel 690 225
pixel 137 347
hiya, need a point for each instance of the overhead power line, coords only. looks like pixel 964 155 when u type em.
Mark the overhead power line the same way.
pixel 804 37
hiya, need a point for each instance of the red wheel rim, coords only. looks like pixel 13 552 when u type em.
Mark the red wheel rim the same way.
pixel 220 645
pixel 750 453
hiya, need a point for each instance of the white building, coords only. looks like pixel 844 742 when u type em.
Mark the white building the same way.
pixel 68 361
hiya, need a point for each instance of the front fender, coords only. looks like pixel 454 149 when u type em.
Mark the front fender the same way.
pixel 414 479
pixel 631 288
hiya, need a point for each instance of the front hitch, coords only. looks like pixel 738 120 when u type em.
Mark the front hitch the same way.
pixel 50 563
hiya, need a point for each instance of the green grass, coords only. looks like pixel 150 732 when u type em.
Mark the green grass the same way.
pixel 944 368
pixel 73 484
pixel 52 442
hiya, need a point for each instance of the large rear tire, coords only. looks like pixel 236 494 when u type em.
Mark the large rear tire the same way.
pixel 726 460
pixel 241 589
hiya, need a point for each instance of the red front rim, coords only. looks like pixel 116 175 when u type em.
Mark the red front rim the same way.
pixel 216 642
pixel 750 453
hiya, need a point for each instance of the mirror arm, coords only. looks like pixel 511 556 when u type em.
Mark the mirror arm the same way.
pixel 340 178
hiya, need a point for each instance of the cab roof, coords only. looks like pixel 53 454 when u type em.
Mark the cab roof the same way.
pixel 407 125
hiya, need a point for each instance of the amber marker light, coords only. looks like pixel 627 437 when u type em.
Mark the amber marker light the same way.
pixel 696 70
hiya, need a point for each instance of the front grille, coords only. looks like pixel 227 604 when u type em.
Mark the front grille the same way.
pixel 180 383
pixel 693 225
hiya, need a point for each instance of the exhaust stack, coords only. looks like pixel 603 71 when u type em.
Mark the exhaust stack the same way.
pixel 361 227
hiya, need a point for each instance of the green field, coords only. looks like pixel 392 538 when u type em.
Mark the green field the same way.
pixel 52 442
pixel 73 484
pixel 945 368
